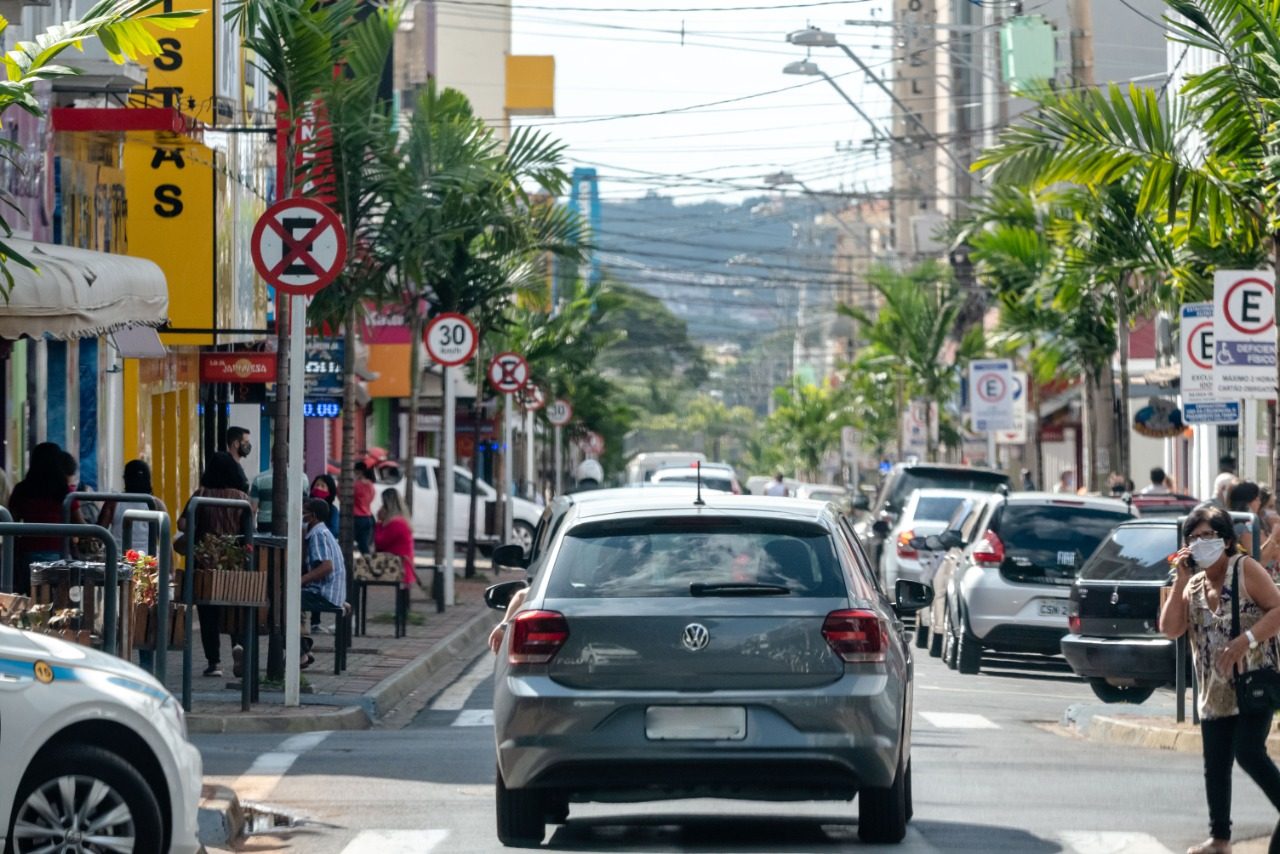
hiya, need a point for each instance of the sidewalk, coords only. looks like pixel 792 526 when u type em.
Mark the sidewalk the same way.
pixel 381 669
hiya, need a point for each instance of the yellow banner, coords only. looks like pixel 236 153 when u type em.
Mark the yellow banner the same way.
pixel 170 188
pixel 183 73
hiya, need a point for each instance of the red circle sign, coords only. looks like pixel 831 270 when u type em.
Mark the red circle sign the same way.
pixel 532 397
pixel 1226 307
pixel 451 339
pixel 983 379
pixel 1192 337
pixel 560 412
pixel 299 246
pixel 508 372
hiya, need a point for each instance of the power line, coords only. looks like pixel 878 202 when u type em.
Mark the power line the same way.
pixel 689 9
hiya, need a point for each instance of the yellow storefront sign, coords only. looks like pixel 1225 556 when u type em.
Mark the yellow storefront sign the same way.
pixel 170 184
pixel 183 73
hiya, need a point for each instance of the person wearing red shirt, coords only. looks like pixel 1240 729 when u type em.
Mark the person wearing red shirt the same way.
pixel 393 535
pixel 38 497
pixel 361 509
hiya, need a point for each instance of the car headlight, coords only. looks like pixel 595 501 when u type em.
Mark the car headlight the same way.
pixel 173 709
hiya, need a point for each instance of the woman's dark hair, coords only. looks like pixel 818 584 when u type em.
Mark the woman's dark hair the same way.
pixel 46 475
pixel 328 481
pixel 221 471
pixel 1242 495
pixel 137 477
pixel 1218 519
pixel 69 464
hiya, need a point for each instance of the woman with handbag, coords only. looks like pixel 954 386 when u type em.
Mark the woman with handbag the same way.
pixel 1230 608
pixel 393 535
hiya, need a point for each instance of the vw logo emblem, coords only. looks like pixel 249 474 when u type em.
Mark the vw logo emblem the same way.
pixel 695 637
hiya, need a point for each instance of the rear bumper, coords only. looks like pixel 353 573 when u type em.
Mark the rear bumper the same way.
pixel 825 743
pixel 1146 661
pixel 1004 615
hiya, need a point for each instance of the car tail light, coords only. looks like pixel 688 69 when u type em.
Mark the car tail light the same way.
pixel 904 546
pixel 856 635
pixel 1073 617
pixel 536 636
pixel 989 552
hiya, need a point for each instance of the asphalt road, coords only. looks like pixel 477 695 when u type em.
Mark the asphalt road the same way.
pixel 992 772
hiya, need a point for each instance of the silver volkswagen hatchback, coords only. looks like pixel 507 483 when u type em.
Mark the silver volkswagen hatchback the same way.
pixel 671 647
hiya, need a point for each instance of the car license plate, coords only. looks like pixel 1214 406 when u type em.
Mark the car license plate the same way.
pixel 1053 609
pixel 678 723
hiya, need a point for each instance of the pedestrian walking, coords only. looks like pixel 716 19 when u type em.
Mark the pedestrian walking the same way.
pixel 1230 608
pixel 1028 483
pixel 394 535
pixel 221 479
pixel 38 497
pixel 324 581
pixel 362 509
pixel 239 447
pixel 778 488
pixel 1159 483
pixel 1066 484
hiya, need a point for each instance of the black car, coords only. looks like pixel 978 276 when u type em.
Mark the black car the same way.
pixel 1114 641
pixel 904 479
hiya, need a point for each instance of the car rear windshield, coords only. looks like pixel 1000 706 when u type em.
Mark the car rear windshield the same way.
pixel 1049 543
pixel 662 557
pixel 937 508
pixel 1138 553
pixel 913 479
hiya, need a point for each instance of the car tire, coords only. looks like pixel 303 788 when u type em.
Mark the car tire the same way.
pixel 949 640
pixel 556 808
pixel 922 634
pixel 1109 693
pixel 968 650
pixel 882 812
pixel 124 799
pixel 522 534
pixel 521 815
pixel 911 810
pixel 935 645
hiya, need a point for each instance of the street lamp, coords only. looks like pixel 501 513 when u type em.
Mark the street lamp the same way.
pixel 805 68
pixel 812 37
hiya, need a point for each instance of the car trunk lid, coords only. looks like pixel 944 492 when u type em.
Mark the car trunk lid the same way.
pixel 1118 592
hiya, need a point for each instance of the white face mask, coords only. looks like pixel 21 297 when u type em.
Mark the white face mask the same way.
pixel 1207 552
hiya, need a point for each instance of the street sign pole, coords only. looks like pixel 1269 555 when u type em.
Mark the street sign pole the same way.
pixel 559 458
pixel 508 484
pixel 446 482
pixel 530 464
pixel 293 570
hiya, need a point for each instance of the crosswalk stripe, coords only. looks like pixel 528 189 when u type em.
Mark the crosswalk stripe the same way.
pixel 455 696
pixel 395 841
pixel 258 782
pixel 1109 842
pixel 474 717
pixel 958 720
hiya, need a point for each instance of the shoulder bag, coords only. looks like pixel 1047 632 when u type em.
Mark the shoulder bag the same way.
pixel 1257 691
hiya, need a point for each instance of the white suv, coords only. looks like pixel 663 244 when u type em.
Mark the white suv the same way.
pixel 1010 586
pixel 95 753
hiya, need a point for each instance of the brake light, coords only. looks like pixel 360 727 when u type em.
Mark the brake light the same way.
pixel 904 546
pixel 856 635
pixel 536 636
pixel 1073 617
pixel 989 552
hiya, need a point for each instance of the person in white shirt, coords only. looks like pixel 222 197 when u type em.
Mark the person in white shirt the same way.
pixel 1157 485
pixel 777 488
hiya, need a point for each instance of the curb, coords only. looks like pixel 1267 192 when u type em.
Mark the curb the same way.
pixel 374 703
pixel 221 820
pixel 1115 730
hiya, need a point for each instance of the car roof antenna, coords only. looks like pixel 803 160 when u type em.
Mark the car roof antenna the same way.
pixel 697 468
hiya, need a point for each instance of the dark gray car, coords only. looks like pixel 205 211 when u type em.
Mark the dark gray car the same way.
pixel 738 648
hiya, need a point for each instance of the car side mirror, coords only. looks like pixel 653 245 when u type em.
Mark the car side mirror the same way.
pixel 880 528
pixel 950 539
pixel 499 596
pixel 911 596
pixel 510 555
pixel 922 543
pixel 861 502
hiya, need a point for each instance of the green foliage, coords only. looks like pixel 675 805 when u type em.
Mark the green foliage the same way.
pixel 806 423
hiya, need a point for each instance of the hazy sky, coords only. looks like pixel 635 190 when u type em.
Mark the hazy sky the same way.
pixel 611 62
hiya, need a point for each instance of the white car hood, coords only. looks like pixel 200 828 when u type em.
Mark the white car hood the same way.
pixel 18 645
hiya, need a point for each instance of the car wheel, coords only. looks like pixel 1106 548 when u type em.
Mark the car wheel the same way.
pixel 556 809
pixel 82 791
pixel 911 810
pixel 968 650
pixel 949 641
pixel 522 534
pixel 922 634
pixel 882 813
pixel 1108 693
pixel 521 816
pixel 935 645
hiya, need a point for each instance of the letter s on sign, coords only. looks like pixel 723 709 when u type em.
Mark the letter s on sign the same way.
pixel 170 58
pixel 168 201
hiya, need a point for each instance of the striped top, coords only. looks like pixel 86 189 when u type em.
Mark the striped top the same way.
pixel 321 547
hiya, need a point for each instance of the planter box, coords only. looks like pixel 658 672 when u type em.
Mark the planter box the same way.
pixel 145 625
pixel 238 588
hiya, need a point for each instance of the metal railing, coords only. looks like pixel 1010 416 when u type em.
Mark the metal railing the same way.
pixel 158 523
pixel 188 594
pixel 133 497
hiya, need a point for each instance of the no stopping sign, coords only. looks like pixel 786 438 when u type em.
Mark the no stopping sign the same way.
pixel 299 246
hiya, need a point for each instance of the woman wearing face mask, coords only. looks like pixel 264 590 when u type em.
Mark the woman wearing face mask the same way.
pixel 1210 571
pixel 324 486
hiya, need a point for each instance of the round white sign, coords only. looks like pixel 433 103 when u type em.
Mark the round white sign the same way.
pixel 508 372
pixel 451 339
pixel 560 412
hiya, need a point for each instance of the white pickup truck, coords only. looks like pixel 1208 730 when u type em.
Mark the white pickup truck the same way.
pixel 426 488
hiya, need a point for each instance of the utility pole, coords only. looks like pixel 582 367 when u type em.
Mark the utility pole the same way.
pixel 1081 12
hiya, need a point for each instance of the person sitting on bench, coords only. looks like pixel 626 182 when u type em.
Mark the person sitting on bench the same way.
pixel 324 583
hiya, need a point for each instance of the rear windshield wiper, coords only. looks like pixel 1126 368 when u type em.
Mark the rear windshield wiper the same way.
pixel 698 588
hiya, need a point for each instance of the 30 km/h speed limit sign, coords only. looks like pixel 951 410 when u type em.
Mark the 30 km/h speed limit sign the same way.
pixel 451 339
pixel 508 372
pixel 560 412
pixel 299 246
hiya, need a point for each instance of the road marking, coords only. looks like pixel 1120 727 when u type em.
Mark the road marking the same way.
pixel 986 692
pixel 474 717
pixel 958 720
pixel 395 841
pixel 1102 842
pixel 454 698
pixel 267 770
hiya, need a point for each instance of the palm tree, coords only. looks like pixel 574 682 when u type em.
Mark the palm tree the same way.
pixel 715 421
pixel 117 24
pixel 806 422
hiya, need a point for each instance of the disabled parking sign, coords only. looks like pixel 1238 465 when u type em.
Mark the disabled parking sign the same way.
pixel 1244 335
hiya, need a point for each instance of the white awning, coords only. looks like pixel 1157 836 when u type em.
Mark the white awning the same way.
pixel 78 293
